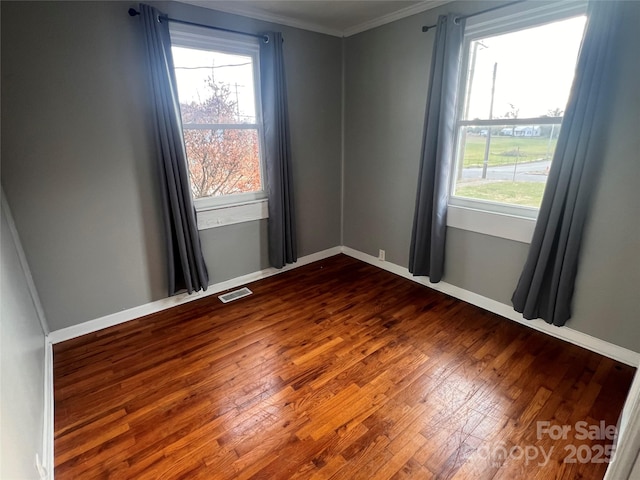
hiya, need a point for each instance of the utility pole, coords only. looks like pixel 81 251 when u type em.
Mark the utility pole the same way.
pixel 553 127
pixel 485 162
pixel 237 104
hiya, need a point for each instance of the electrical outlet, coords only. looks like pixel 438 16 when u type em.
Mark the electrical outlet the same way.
pixel 381 255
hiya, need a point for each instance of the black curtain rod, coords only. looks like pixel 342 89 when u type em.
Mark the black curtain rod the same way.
pixel 265 38
pixel 426 28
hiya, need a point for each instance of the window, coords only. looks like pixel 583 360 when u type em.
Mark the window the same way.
pixel 218 91
pixel 519 71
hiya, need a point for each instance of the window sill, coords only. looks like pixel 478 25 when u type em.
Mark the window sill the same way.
pixel 499 225
pixel 219 216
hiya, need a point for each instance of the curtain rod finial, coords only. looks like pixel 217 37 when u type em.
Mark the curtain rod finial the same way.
pixel 426 28
pixel 133 12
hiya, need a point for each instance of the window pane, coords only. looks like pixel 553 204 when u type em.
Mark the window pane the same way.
pixel 533 70
pixel 223 162
pixel 525 74
pixel 214 87
pixel 505 164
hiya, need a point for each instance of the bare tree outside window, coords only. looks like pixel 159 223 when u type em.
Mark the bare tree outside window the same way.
pixel 221 161
pixel 220 122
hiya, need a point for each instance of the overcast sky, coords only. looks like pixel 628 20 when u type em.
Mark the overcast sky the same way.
pixel 234 70
pixel 535 69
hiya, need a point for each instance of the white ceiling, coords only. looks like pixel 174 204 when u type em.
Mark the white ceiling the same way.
pixel 333 17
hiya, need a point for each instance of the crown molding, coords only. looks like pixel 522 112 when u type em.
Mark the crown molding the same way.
pixel 240 8
pixel 392 17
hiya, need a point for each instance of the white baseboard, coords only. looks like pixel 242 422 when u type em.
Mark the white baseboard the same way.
pixel 575 337
pixel 91 326
pixel 48 428
pixel 46 461
pixel 594 344
pixel 602 347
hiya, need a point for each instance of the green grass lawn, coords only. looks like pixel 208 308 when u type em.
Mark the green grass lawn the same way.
pixel 506 150
pixel 518 193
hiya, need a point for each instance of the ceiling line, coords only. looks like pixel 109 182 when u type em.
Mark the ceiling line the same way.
pixel 248 11
pixel 393 16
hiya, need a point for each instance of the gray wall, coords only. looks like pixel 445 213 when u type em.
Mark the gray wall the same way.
pixel 78 164
pixel 21 367
pixel 386 84
pixel 78 154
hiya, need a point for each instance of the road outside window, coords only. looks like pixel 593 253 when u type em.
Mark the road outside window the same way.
pixel 516 90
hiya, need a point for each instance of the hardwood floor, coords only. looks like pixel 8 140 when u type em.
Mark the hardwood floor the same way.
pixel 336 370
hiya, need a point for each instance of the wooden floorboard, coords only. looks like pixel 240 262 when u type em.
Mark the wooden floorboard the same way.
pixel 335 370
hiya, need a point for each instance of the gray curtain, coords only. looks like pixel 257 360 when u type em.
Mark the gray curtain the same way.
pixel 186 266
pixel 426 256
pixel 277 154
pixel 546 285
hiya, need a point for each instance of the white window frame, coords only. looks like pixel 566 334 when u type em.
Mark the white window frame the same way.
pixel 502 220
pixel 241 207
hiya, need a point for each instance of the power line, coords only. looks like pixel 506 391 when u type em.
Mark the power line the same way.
pixel 215 66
